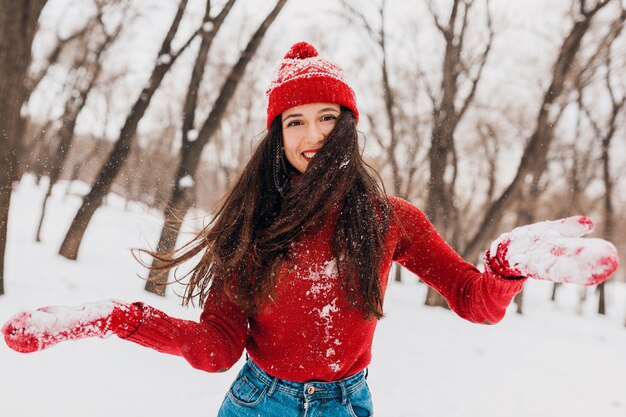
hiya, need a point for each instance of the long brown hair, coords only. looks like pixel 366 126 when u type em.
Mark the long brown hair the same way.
pixel 250 236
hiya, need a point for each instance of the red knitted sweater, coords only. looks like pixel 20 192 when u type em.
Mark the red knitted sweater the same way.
pixel 310 331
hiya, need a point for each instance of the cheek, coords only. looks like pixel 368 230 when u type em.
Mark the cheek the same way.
pixel 292 147
pixel 328 129
pixel 290 143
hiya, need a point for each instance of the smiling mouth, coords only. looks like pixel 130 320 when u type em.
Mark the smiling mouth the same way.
pixel 308 155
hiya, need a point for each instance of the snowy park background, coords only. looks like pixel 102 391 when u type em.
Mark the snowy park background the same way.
pixel 552 361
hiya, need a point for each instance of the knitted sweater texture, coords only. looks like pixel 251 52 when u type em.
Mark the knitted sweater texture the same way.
pixel 309 331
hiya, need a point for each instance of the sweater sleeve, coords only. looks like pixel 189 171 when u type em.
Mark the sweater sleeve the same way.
pixel 214 344
pixel 475 296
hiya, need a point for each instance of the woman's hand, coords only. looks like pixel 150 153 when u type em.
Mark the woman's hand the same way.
pixel 31 331
pixel 554 251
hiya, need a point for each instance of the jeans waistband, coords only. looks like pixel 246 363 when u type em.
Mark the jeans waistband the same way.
pixel 309 390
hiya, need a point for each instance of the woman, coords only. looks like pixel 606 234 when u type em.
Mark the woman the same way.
pixel 293 268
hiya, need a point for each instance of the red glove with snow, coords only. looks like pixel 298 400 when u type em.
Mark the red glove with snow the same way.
pixel 554 251
pixel 31 331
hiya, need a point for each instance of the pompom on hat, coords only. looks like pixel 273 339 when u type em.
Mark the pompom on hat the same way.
pixel 305 78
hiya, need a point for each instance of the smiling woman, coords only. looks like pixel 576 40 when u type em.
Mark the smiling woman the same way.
pixel 294 266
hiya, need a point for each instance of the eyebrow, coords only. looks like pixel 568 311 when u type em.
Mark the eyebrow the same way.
pixel 325 109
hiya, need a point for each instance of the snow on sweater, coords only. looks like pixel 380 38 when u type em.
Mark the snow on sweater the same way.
pixel 309 331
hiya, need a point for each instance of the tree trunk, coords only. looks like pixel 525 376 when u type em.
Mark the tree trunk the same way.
pixel 181 196
pixel 617 106
pixel 601 299
pixel 18 24
pixel 519 302
pixel 181 200
pixel 555 287
pixel 121 150
pixel 398 273
pixel 447 114
pixel 401 178
pixel 389 109
pixel 607 232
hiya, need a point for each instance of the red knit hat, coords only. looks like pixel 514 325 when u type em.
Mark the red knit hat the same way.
pixel 305 78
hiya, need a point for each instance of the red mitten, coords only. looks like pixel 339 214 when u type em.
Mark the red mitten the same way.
pixel 554 251
pixel 31 331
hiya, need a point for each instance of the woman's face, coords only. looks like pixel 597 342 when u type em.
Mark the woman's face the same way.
pixel 305 128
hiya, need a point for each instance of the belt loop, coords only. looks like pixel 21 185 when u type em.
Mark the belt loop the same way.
pixel 344 394
pixel 367 372
pixel 272 387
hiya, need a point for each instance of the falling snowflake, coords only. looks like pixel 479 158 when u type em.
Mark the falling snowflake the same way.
pixel 164 59
pixel 192 135
pixel 186 182
pixel 207 26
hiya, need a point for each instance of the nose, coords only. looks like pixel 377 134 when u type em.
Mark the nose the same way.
pixel 314 134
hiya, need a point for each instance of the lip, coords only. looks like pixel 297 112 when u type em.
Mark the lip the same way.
pixel 307 151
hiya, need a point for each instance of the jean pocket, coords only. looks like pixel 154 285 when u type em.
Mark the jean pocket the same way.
pixel 247 391
pixel 360 402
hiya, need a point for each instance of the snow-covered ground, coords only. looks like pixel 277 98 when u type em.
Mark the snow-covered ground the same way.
pixel 552 361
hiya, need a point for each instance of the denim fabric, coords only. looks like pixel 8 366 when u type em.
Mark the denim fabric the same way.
pixel 254 393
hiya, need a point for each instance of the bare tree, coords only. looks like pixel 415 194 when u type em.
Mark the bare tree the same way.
pixel 119 154
pixel 606 135
pixel 233 140
pixel 378 37
pixel 183 193
pixel 33 79
pixel 533 159
pixel 86 70
pixel 581 165
pixel 402 164
pixel 447 114
pixel 18 24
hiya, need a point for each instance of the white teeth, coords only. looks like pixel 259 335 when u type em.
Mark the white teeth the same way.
pixel 309 154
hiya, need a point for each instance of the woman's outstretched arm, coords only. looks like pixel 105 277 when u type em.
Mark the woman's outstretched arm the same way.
pixel 548 250
pixel 213 344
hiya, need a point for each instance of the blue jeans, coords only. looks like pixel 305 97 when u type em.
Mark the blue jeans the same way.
pixel 255 393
